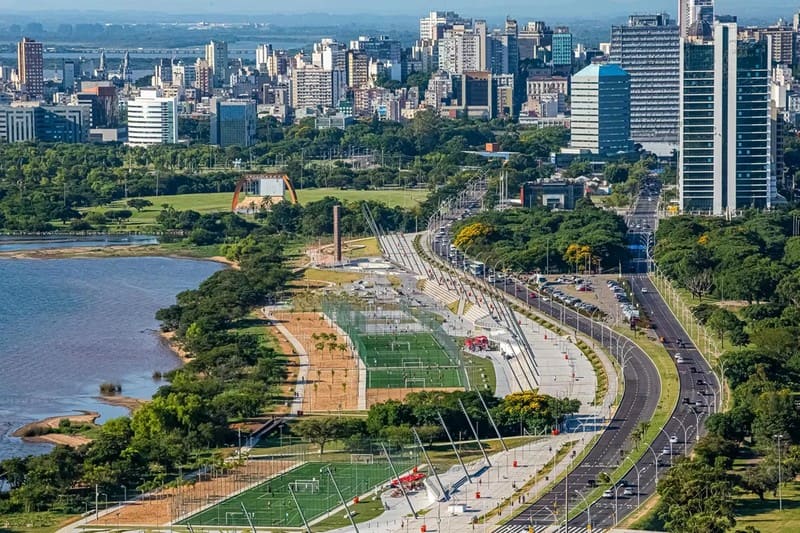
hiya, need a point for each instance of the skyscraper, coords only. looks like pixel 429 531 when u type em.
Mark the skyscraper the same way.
pixel 691 11
pixel 217 59
pixel 152 119
pixel 432 27
pixel 601 102
pixel 648 48
pixel 562 47
pixel 30 66
pixel 724 116
pixel 233 123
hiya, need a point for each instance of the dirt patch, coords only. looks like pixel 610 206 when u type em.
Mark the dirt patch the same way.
pixel 171 504
pixel 381 395
pixel 131 404
pixel 292 361
pixel 86 417
pixel 332 380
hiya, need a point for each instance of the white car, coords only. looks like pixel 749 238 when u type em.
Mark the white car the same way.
pixel 673 439
pixel 644 290
pixel 608 493
pixel 627 492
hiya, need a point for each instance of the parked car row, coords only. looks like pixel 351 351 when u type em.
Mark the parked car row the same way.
pixel 629 311
pixel 572 301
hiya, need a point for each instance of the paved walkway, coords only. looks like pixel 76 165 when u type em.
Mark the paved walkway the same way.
pixel 302 357
pixel 494 485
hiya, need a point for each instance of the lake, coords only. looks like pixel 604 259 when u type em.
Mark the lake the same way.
pixel 68 325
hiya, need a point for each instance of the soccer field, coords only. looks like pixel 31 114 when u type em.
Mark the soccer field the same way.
pixel 271 504
pixel 414 360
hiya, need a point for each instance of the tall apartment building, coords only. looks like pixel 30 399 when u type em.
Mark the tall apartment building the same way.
pixel 263 55
pixel 782 41
pixel 152 119
pixel 183 75
pixel 648 49
pixel 432 27
pixel 315 87
pixel 233 122
pixel 463 49
pixel 357 69
pixel 30 68
pixel 203 77
pixel 562 47
pixel 601 100
pixel 724 161
pixel 691 11
pixel 217 59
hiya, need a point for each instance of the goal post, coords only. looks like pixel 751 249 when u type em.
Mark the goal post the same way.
pixel 362 459
pixel 305 486
pixel 412 363
pixel 415 383
pixel 397 344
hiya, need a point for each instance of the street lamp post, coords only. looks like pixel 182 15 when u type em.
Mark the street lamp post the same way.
pixel 588 510
pixel 655 460
pixel 670 444
pixel 685 437
pixel 780 472
pixel 124 492
pixel 638 482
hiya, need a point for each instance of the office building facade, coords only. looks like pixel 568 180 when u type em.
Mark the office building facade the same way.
pixel 648 49
pixel 60 123
pixel 152 119
pixel 724 163
pixel 693 11
pixel 562 47
pixel 601 118
pixel 30 68
pixel 217 59
pixel 233 123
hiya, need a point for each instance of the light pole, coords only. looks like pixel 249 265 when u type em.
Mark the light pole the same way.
pixel 638 482
pixel 125 493
pixel 780 472
pixel 685 437
pixel 588 510
pixel 655 460
pixel 670 444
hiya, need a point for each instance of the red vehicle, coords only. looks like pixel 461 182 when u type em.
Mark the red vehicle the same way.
pixel 477 343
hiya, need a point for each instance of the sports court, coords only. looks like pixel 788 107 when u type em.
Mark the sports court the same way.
pixel 402 347
pixel 270 504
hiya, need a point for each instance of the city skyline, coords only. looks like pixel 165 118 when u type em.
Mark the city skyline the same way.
pixel 517 8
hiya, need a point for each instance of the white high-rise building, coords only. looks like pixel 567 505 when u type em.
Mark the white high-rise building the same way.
pixel 183 75
pixel 152 119
pixel 432 27
pixel 217 58
pixel 263 55
pixel 463 49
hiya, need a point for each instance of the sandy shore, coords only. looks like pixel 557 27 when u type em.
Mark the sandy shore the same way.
pixel 86 417
pixel 131 404
pixel 168 337
pixel 99 252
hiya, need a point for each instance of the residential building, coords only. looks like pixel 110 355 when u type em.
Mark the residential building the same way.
pixel 152 119
pixel 782 41
pixel 233 122
pixel 184 75
pixel 504 49
pixel 103 103
pixel 30 68
pixel 543 91
pixel 532 38
pixel 315 87
pixel 263 56
pixel 648 49
pixel 357 68
pixel 463 49
pixel 562 47
pixel 203 77
pixel 724 163
pixel 68 75
pixel 601 118
pixel 480 94
pixel 432 27
pixel 217 59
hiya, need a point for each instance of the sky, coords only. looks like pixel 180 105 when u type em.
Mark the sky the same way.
pixel 477 8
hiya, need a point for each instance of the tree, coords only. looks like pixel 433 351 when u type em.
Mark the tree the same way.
pixel 723 321
pixel 700 284
pixel 760 479
pixel 138 203
pixel 775 413
pixel 319 430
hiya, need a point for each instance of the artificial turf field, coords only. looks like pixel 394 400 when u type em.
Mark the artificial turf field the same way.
pixel 410 360
pixel 271 504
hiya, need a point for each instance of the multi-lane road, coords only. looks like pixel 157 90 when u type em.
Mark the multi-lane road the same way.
pixel 641 396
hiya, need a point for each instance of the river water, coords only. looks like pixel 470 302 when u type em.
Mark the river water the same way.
pixel 68 325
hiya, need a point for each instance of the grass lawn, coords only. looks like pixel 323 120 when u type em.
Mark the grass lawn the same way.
pixel 363 511
pixel 476 366
pixel 44 522
pixel 331 276
pixel 214 202
pixel 765 515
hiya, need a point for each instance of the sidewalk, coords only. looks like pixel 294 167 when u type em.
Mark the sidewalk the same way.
pixel 302 356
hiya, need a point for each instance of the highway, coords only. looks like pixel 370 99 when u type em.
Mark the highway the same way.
pixel 641 395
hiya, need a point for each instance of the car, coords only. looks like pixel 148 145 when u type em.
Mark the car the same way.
pixel 665 450
pixel 608 493
pixel 673 439
pixel 627 492
pixel 591 483
pixel 644 290
pixel 680 360
pixel 532 295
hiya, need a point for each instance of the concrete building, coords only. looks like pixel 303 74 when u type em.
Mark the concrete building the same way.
pixel 103 102
pixel 551 193
pixel 357 69
pixel 480 94
pixel 203 77
pixel 538 88
pixel 648 49
pixel 463 49
pixel 30 68
pixel 152 119
pixel 782 41
pixel 263 55
pixel 68 75
pixel 692 11
pixel 432 27
pixel 233 123
pixel 532 38
pixel 601 118
pixel 504 49
pixel 183 75
pixel 724 163
pixel 315 87
pixel 217 59
pixel 59 123
pixel 562 47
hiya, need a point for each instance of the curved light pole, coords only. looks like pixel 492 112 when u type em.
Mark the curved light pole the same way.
pixel 588 510
pixel 638 482
pixel 685 437
pixel 780 472
pixel 697 423
pixel 670 444
pixel 655 460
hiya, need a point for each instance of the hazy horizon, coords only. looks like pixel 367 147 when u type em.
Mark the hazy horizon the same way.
pixel 520 8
